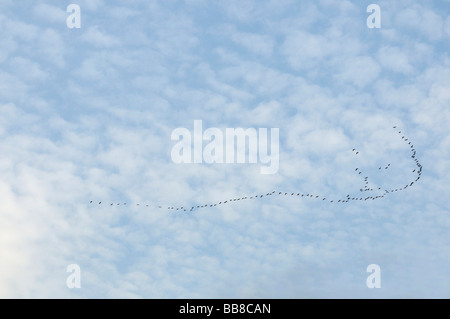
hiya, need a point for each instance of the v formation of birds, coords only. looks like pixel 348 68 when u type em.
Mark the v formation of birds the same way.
pixel 365 188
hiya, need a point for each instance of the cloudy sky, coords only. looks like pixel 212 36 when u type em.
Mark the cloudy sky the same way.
pixel 86 114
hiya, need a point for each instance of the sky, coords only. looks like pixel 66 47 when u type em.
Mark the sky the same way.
pixel 86 114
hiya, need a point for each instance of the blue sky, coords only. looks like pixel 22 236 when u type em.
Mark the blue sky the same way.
pixel 86 114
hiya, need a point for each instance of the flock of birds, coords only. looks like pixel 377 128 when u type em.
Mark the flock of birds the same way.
pixel 346 199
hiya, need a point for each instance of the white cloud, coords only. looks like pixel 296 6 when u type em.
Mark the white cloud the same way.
pixel 50 13
pixel 257 44
pixel 415 18
pixel 360 71
pixel 305 50
pixel 394 59
pixel 51 46
pixel 27 69
pixel 447 25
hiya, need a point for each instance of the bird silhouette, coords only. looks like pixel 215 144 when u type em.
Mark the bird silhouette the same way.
pixel 346 200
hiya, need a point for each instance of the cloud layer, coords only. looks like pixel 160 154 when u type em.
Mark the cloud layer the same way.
pixel 86 114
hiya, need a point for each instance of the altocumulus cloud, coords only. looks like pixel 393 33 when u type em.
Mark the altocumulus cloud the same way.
pixel 86 114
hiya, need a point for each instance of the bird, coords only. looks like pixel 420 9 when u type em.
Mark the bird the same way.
pixel 346 200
